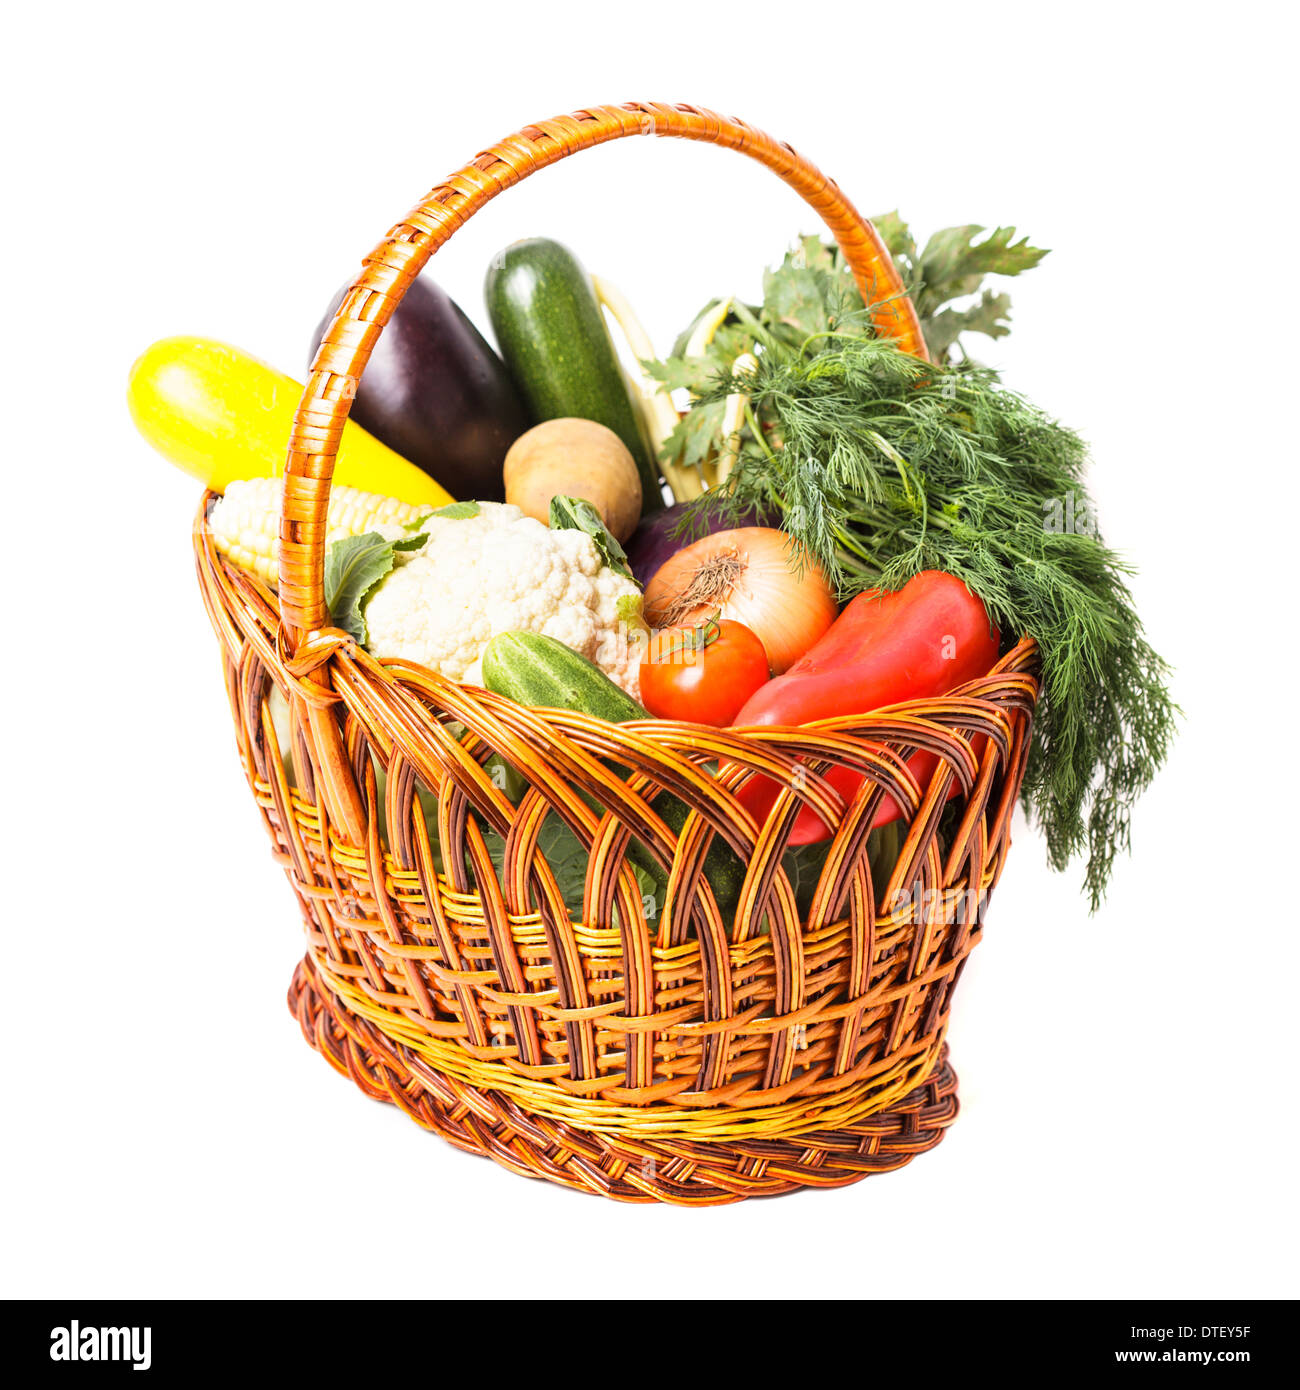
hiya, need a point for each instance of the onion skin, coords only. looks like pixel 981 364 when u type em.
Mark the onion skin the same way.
pixel 653 542
pixel 756 579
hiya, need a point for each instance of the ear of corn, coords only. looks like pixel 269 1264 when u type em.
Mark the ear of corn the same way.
pixel 245 522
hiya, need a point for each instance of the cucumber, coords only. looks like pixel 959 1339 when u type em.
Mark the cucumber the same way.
pixel 551 332
pixel 543 673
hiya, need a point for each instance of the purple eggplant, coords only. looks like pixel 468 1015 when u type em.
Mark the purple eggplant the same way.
pixel 653 541
pixel 435 392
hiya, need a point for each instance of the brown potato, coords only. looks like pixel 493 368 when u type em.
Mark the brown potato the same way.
pixel 574 458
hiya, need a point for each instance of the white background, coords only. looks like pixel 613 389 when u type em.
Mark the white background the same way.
pixel 1128 1081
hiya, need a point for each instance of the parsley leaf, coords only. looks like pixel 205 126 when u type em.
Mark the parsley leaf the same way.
pixel 952 266
pixel 991 316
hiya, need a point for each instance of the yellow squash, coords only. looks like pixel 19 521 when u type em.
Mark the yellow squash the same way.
pixel 222 415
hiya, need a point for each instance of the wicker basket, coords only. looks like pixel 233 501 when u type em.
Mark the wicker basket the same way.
pixel 694 1059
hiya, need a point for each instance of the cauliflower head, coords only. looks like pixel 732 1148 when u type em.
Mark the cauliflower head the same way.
pixel 501 571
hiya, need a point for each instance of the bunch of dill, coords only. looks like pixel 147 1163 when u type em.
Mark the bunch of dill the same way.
pixel 883 466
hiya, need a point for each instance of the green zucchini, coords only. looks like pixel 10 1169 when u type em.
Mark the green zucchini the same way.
pixel 551 332
pixel 543 673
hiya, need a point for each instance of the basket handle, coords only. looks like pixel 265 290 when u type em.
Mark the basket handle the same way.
pixel 390 268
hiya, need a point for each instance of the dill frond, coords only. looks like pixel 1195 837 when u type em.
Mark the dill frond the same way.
pixel 883 466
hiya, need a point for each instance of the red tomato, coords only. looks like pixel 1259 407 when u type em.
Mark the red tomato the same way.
pixel 703 674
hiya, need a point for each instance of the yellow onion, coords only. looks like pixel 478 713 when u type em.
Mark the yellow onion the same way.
pixel 755 575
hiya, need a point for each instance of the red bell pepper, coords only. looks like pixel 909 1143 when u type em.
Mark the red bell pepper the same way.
pixel 915 644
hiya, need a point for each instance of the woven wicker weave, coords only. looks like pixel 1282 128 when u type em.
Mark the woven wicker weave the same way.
pixel 694 1058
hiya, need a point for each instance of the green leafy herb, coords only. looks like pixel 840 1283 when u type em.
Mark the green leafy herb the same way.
pixel 695 436
pixel 577 514
pixel 883 466
pixel 952 266
pixel 811 293
pixel 353 567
